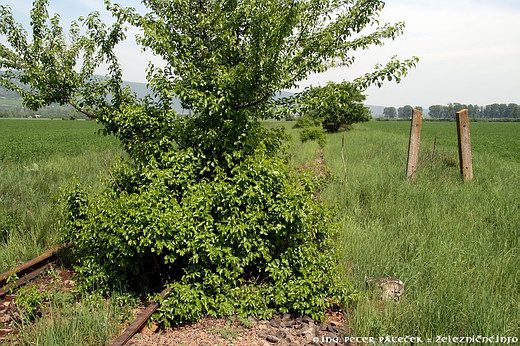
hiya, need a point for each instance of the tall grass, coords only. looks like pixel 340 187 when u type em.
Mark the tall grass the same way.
pixel 38 160
pixel 454 245
pixel 92 321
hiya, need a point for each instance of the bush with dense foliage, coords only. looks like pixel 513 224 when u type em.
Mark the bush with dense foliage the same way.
pixel 248 238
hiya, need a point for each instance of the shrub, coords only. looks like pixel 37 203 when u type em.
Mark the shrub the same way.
pixel 307 121
pixel 250 239
pixel 334 106
pixel 313 133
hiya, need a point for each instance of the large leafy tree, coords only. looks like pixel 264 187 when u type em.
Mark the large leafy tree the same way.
pixel 226 59
pixel 205 203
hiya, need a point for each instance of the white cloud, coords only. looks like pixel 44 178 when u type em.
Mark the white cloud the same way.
pixel 468 50
pixel 468 54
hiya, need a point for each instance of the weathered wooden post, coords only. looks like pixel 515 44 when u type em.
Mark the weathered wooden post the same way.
pixel 414 144
pixel 463 135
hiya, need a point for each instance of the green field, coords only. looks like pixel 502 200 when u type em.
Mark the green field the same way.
pixel 39 158
pixel 454 245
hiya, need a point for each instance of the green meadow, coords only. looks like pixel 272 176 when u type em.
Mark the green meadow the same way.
pixel 38 159
pixel 453 244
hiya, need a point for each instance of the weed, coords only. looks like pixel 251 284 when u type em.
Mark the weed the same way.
pixel 89 321
pixel 29 300
pixel 226 332
pixel 245 322
pixel 54 274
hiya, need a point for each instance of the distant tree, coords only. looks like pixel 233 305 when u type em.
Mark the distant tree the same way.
pixel 405 112
pixel 390 112
pixel 513 110
pixel 492 111
pixel 436 111
pixel 474 111
pixel 335 106
pixel 502 110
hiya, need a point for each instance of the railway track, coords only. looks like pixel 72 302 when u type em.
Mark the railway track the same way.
pixel 139 322
pixel 22 274
pixel 30 270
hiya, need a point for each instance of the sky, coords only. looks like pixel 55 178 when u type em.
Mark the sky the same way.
pixel 469 50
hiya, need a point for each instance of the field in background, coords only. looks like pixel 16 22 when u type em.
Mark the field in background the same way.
pixel 38 158
pixel 454 245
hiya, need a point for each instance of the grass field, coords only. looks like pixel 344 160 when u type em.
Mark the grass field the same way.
pixel 454 245
pixel 38 158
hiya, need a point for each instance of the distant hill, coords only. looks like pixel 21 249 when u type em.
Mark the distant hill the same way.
pixel 377 111
pixel 10 100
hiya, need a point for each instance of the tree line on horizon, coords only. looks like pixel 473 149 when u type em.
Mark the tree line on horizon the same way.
pixel 491 111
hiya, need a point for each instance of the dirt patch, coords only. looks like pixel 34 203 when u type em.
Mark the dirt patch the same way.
pixel 318 166
pixel 281 330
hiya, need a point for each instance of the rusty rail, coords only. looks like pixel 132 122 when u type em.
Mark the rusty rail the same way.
pixel 39 265
pixel 28 270
pixel 139 322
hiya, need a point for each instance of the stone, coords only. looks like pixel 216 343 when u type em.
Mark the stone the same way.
pixel 275 322
pixel 262 326
pixel 310 330
pixel 280 334
pixel 70 283
pixel 297 325
pixel 335 323
pixel 307 319
pixel 391 288
pixel 287 324
pixel 148 330
pixel 272 338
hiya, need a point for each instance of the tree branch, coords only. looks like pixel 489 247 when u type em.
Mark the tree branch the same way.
pixel 81 110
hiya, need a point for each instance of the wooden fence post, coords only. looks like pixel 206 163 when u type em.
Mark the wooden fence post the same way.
pixel 414 144
pixel 463 135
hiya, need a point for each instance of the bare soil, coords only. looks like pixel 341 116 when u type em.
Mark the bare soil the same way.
pixel 282 330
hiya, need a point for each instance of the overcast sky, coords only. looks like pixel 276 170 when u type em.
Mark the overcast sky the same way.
pixel 469 50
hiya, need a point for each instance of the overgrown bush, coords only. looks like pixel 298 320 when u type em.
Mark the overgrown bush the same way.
pixel 334 106
pixel 249 238
pixel 307 121
pixel 313 133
